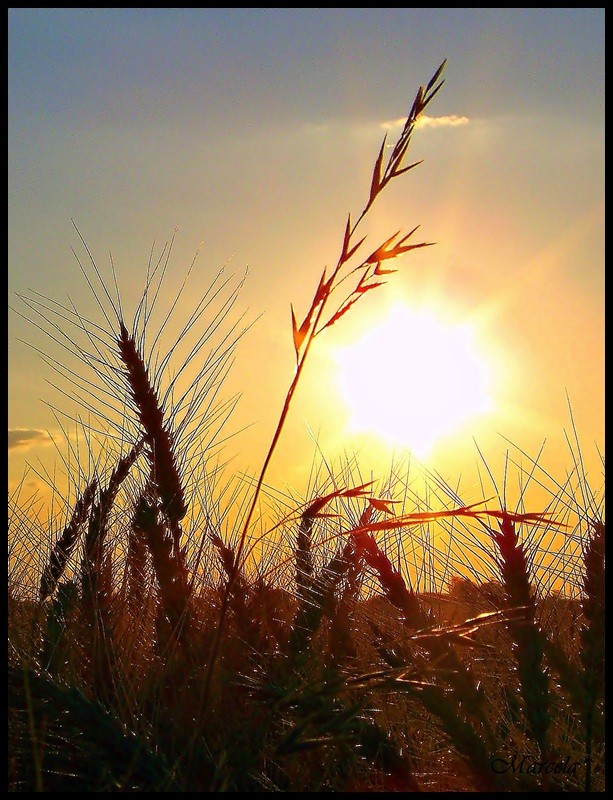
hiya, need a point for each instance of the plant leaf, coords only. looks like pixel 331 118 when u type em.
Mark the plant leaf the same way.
pixel 322 291
pixel 346 239
pixel 356 491
pixel 436 76
pixel 355 247
pixel 380 271
pixel 366 515
pixel 298 334
pixel 341 312
pixel 417 518
pixel 381 253
pixel 382 505
pixel 432 93
pixel 365 287
pixel 397 172
pixel 375 185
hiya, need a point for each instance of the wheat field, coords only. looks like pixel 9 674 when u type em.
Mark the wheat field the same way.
pixel 166 636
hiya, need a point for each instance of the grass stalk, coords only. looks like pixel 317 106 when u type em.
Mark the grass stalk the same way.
pixel 369 272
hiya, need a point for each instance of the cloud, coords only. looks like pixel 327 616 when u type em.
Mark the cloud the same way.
pixel 447 121
pixel 316 127
pixel 27 437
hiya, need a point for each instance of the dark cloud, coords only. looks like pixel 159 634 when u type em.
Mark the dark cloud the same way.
pixel 27 437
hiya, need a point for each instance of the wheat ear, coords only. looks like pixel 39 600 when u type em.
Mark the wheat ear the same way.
pixel 65 544
pixel 97 578
pixel 528 637
pixel 164 471
pixel 168 567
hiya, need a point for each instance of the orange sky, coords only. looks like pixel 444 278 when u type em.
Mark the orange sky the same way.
pixel 258 160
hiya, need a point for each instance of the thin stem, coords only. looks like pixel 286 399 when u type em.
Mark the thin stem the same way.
pixel 379 181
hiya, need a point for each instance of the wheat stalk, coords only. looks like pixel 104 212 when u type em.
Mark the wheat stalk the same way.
pixel 136 570
pixel 164 471
pixel 526 633
pixel 97 578
pixel 65 544
pixel 169 569
pixel 107 747
pixel 592 651
pixel 98 528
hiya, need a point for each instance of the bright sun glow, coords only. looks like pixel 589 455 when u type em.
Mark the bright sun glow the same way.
pixel 413 379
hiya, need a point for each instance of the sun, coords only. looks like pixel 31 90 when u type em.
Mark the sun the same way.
pixel 413 379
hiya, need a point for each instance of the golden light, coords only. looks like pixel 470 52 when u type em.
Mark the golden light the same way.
pixel 413 379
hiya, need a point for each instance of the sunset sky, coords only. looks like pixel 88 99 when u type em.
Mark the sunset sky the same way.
pixel 253 133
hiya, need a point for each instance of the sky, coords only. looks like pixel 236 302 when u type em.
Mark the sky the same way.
pixel 249 135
